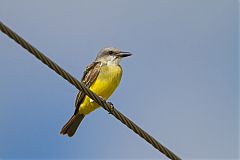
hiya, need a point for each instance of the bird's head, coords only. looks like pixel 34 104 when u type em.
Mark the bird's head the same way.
pixel 111 55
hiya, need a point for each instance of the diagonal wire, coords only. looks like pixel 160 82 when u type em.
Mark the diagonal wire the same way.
pixel 79 85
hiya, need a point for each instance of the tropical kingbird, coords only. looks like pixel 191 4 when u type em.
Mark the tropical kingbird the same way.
pixel 102 77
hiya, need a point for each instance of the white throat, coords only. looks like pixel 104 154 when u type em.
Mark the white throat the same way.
pixel 110 60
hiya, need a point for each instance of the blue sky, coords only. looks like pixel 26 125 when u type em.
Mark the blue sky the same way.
pixel 181 84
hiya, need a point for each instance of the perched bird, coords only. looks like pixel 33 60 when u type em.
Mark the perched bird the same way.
pixel 102 77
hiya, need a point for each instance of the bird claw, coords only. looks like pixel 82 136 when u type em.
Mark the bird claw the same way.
pixel 110 103
pixel 112 107
pixel 102 98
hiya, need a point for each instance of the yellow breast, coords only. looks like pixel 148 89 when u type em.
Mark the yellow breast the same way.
pixel 105 84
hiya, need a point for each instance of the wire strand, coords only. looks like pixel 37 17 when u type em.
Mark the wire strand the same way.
pixel 80 86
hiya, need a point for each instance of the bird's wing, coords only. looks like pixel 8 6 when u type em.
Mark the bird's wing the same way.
pixel 89 76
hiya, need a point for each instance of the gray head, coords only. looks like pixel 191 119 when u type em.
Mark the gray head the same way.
pixel 111 55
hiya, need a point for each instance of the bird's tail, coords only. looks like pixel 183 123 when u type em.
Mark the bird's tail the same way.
pixel 71 126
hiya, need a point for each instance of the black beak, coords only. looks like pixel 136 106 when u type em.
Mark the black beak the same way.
pixel 124 54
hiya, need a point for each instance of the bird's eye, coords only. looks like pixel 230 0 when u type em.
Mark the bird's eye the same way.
pixel 110 52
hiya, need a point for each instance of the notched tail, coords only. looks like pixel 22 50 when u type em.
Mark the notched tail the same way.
pixel 71 126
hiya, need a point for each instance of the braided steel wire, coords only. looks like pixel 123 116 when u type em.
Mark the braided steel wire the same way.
pixel 80 86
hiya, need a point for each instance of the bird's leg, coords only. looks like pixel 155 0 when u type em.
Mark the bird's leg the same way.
pixel 110 103
pixel 102 98
pixel 112 107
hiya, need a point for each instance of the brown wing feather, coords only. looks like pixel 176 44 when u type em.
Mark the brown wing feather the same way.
pixel 89 76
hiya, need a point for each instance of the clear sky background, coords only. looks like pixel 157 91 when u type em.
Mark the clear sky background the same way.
pixel 181 84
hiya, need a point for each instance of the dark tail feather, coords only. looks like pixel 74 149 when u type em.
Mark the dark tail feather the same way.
pixel 71 126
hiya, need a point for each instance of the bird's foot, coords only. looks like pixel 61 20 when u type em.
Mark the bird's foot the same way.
pixel 102 98
pixel 112 107
pixel 110 103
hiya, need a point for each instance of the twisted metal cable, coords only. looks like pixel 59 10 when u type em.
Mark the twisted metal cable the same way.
pixel 82 87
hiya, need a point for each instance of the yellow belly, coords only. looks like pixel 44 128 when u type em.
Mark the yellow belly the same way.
pixel 105 84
